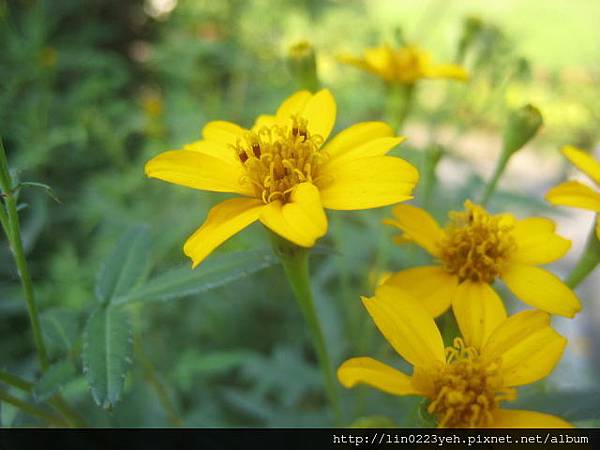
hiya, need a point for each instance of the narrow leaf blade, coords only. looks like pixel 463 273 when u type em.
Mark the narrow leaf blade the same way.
pixel 217 272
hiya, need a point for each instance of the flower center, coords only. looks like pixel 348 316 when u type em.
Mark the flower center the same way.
pixel 477 245
pixel 277 158
pixel 467 390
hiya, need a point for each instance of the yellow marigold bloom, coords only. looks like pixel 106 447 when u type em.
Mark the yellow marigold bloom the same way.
pixel 466 383
pixel 574 193
pixel 475 249
pixel 285 173
pixel 404 65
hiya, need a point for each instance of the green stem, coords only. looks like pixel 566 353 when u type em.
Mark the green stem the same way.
pixel 490 188
pixel 57 402
pixel 153 380
pixel 31 409
pixel 400 100
pixel 589 260
pixel 432 157
pixel 295 264
pixel 9 219
pixel 16 244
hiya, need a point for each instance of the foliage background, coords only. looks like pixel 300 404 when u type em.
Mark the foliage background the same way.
pixel 91 89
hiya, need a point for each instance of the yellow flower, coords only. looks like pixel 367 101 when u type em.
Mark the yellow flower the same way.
pixel 574 193
pixel 404 65
pixel 464 384
pixel 285 173
pixel 474 250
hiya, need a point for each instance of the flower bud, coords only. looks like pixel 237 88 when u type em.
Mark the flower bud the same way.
pixel 522 126
pixel 302 63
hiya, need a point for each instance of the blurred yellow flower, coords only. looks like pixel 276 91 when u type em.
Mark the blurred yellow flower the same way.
pixel 574 193
pixel 465 384
pixel 285 173
pixel 404 65
pixel 474 250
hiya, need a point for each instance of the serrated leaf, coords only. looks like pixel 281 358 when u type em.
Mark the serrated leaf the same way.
pixel 184 281
pixel 53 380
pixel 107 354
pixel 126 266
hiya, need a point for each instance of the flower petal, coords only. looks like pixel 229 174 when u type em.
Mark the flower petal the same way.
pixel 527 346
pixel 518 418
pixel 375 147
pixel 374 373
pixel 583 161
pixel 447 71
pixel 432 286
pixel 380 60
pixel 574 193
pixel 302 220
pixel 293 105
pixel 537 243
pixel 541 289
pixel 357 135
pixel 418 225
pixel 199 171
pixel 223 221
pixel 264 120
pixel 367 183
pixel 320 112
pixel 214 149
pixel 478 311
pixel 406 325
pixel 223 132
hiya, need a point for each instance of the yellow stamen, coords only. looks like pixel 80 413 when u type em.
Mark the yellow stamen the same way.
pixel 477 245
pixel 277 158
pixel 467 391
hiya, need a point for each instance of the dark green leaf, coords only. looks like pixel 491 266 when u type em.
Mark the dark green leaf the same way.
pixel 53 380
pixel 107 354
pixel 126 266
pixel 216 272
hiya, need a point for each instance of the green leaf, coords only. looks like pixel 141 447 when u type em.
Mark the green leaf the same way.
pixel 107 354
pixel 45 187
pixel 216 272
pixel 53 380
pixel 60 327
pixel 126 266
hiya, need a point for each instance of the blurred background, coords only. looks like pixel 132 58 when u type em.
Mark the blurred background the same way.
pixel 92 89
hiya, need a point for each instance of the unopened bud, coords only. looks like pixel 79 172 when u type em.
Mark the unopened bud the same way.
pixel 522 126
pixel 303 65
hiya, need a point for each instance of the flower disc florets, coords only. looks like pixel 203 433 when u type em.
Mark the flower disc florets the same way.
pixel 277 158
pixel 477 246
pixel 467 390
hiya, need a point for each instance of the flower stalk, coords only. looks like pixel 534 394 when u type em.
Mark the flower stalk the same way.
pixel 400 100
pixel 295 264
pixel 522 126
pixel 587 263
pixel 10 223
pixel 9 219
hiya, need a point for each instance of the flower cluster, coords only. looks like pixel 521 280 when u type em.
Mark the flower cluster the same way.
pixel 286 172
